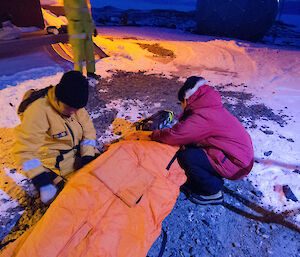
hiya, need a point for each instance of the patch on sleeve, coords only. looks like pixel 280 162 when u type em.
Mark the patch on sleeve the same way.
pixel 59 135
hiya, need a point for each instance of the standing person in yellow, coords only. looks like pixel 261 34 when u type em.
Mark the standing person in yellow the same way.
pixel 56 135
pixel 81 29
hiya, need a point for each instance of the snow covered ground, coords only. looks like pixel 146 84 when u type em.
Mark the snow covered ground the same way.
pixel 270 73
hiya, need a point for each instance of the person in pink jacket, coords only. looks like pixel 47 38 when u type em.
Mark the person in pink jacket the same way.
pixel 214 144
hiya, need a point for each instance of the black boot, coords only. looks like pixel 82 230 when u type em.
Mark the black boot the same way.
pixel 93 75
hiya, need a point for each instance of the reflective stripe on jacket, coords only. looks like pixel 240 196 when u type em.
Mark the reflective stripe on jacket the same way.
pixel 47 138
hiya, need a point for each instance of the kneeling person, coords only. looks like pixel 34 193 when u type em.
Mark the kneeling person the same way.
pixel 214 144
pixel 56 135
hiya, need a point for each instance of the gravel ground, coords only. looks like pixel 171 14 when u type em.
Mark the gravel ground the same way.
pixel 239 227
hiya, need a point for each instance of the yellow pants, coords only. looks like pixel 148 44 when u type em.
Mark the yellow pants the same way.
pixel 83 51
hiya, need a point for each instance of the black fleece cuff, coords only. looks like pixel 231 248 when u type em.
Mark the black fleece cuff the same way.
pixel 42 179
pixel 87 159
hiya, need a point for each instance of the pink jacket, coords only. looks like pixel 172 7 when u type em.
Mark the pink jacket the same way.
pixel 207 123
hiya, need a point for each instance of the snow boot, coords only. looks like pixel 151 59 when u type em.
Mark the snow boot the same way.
pixel 93 75
pixel 186 190
pixel 207 199
pixel 93 78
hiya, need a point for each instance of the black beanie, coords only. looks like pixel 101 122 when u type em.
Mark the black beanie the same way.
pixel 73 89
pixel 188 84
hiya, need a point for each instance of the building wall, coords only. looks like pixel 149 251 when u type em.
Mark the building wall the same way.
pixel 25 13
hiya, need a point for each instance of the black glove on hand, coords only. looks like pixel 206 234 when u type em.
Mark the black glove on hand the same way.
pixel 87 159
pixel 42 179
pixel 43 183
pixel 95 32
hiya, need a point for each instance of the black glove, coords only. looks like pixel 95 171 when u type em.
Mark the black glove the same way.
pixel 87 159
pixel 63 29
pixel 95 32
pixel 41 180
pixel 44 183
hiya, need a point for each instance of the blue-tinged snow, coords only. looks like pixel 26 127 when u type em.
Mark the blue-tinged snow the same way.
pixel 270 73
pixel 31 74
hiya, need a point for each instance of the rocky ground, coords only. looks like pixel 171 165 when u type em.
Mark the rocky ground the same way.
pixel 239 227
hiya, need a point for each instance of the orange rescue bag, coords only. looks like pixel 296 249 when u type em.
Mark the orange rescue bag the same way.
pixel 113 207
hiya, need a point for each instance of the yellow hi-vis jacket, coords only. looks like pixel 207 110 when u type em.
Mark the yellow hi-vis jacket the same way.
pixel 46 138
pixel 80 30
pixel 79 15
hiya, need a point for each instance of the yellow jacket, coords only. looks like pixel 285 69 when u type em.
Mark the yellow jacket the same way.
pixel 46 138
pixel 79 17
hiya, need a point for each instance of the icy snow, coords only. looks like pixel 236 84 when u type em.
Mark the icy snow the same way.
pixel 270 73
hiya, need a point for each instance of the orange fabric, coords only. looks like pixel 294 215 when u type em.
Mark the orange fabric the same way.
pixel 88 219
pixel 128 186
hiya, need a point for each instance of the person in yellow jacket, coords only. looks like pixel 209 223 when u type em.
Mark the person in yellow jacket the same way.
pixel 56 135
pixel 81 29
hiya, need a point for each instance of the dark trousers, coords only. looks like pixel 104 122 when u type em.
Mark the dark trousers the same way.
pixel 201 177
